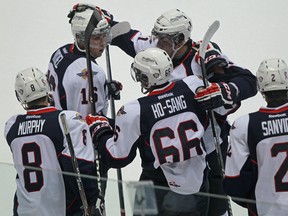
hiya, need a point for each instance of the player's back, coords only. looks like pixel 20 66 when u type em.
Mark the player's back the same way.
pixel 268 146
pixel 36 140
pixel 173 124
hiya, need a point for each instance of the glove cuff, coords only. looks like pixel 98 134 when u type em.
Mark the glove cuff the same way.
pixel 98 131
pixel 235 91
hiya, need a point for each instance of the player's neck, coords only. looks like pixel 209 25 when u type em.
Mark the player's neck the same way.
pixel 276 103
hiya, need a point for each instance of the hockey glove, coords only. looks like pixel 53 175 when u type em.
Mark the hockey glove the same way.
pixel 108 16
pixel 82 7
pixel 213 56
pixel 97 207
pixel 217 95
pixel 98 125
pixel 79 8
pixel 114 88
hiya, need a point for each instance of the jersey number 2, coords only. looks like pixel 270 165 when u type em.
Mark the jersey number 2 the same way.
pixel 281 186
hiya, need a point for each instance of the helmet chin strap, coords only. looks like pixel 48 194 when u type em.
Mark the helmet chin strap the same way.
pixel 78 47
pixel 144 90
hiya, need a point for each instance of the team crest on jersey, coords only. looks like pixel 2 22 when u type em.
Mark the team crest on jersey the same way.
pixel 79 117
pixel 84 73
pixel 121 111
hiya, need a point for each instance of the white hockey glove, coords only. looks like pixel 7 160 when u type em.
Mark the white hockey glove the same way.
pixel 213 56
pixel 114 88
pixel 98 125
pixel 217 95
pixel 97 207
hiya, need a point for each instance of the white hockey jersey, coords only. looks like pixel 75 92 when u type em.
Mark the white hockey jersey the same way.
pixel 166 126
pixel 256 165
pixel 68 78
pixel 37 140
pixel 133 42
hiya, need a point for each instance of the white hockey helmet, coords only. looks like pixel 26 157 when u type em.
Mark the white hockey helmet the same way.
pixel 272 75
pixel 80 21
pixel 174 23
pixel 31 84
pixel 151 67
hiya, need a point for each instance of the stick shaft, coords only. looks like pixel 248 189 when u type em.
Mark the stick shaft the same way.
pixel 75 164
pixel 202 51
pixel 112 105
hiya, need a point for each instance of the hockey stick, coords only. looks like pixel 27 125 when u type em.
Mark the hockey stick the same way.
pixel 124 28
pixel 95 18
pixel 202 51
pixel 116 30
pixel 75 164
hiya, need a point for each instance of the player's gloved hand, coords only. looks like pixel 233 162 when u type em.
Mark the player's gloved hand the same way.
pixel 108 16
pixel 114 88
pixel 217 95
pixel 98 125
pixel 213 56
pixel 79 8
pixel 97 206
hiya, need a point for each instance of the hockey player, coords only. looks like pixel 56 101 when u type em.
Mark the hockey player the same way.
pixel 67 71
pixel 166 126
pixel 172 32
pixel 41 154
pixel 256 165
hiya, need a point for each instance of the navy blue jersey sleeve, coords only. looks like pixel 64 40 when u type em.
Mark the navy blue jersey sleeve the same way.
pixel 108 159
pixel 242 186
pixel 242 78
pixel 72 191
pixel 124 41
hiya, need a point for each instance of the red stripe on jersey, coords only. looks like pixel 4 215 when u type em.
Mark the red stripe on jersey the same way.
pixel 237 176
pixel 272 111
pixel 251 212
pixel 71 48
pixel 69 205
pixel 41 111
pixel 133 35
pixel 161 91
pixel 254 162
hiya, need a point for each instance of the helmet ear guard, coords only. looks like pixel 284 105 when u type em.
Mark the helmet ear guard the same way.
pixel 272 75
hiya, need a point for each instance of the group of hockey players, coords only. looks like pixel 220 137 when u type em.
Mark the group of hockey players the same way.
pixel 173 126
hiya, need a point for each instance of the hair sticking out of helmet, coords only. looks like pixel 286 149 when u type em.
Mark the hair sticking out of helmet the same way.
pixel 272 75
pixel 30 84
pixel 151 67
pixel 79 23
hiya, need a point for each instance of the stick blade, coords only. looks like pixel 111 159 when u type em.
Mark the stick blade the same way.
pixel 120 29
pixel 207 37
